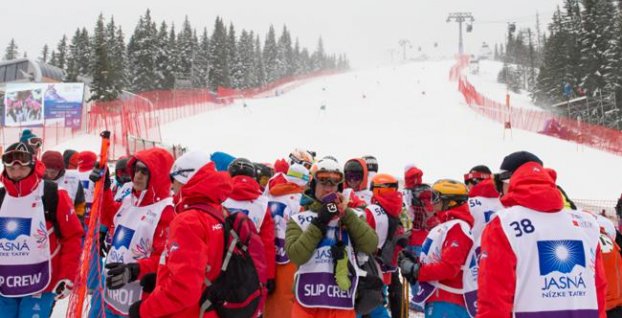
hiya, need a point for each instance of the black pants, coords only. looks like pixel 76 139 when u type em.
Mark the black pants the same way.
pixel 614 313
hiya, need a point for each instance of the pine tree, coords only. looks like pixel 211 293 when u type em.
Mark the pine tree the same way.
pixel 236 73
pixel 285 55
pixel 72 67
pixel 141 51
pixel 186 46
pixel 550 81
pixel 45 52
pixel 53 58
pixel 165 54
pixel 61 55
pixel 597 56
pixel 318 57
pixel 258 65
pixel 200 66
pixel 173 53
pixel 270 56
pixel 219 65
pixel 115 42
pixel 11 52
pixel 102 87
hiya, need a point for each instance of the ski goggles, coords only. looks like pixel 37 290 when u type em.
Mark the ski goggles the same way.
pixel 354 176
pixel 329 178
pixel 474 178
pixel 379 189
pixel 142 168
pixel 179 172
pixel 19 157
pixel 35 142
pixel 305 163
pixel 500 178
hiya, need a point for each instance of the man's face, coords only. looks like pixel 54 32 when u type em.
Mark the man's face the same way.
pixel 51 174
pixel 176 186
pixel 141 176
pixel 353 180
pixel 17 172
pixel 326 183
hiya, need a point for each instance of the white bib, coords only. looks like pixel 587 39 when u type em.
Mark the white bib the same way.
pixel 431 253
pixel 282 208
pixel 315 284
pixel 70 181
pixel 132 240
pixel 25 259
pixel 482 209
pixel 123 192
pixel 88 186
pixel 556 259
pixel 255 209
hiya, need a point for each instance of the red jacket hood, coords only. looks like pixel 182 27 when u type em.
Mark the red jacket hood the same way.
pixel 460 212
pixel 25 186
pixel 485 189
pixel 391 202
pixel 86 160
pixel 279 185
pixel 245 188
pixel 364 183
pixel 159 162
pixel 207 186
pixel 531 186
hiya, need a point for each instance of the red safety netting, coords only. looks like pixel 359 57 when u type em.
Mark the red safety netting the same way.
pixel 542 122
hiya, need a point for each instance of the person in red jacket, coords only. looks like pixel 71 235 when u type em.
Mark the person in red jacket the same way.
pixel 444 254
pixel 483 198
pixel 195 246
pixel 138 227
pixel 537 260
pixel 247 197
pixel 39 258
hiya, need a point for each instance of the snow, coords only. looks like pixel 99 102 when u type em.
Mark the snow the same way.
pixel 400 114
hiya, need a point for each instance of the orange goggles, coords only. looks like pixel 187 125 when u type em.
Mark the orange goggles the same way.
pixel 329 178
pixel 379 189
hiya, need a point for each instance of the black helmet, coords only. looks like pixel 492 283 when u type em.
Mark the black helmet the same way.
pixel 353 165
pixel 372 163
pixel 242 166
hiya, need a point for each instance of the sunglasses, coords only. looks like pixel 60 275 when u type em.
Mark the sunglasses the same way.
pixel 19 157
pixel 305 163
pixel 140 167
pixel 35 142
pixel 500 178
pixel 329 179
pixel 179 172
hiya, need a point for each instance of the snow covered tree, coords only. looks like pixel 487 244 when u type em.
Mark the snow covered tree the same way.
pixel 102 86
pixel 164 67
pixel 200 65
pixel 53 58
pixel 246 56
pixel 318 57
pixel 285 55
pixel 141 51
pixel 11 52
pixel 79 57
pixel 61 54
pixel 236 74
pixel 270 56
pixel 258 65
pixel 186 47
pixel 45 53
pixel 219 66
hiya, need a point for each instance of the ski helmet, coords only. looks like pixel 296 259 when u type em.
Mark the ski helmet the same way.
pixel 242 166
pixel 302 157
pixel 328 167
pixel 353 170
pixel 382 183
pixel 264 173
pixel 452 193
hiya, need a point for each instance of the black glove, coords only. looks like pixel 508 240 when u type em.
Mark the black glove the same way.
pixel 409 266
pixel 120 274
pixel 134 311
pixel 271 286
pixel 103 249
pixel 148 282
pixel 97 173
pixel 324 215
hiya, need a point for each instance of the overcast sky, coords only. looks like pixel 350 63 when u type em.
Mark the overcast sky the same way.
pixel 365 30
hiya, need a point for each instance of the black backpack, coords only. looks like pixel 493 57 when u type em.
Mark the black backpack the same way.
pixel 50 202
pixel 239 289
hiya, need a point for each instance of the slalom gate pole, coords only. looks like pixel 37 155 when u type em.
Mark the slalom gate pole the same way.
pixel 79 293
pixel 405 298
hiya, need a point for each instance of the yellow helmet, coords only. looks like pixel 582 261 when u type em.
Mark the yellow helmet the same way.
pixel 451 192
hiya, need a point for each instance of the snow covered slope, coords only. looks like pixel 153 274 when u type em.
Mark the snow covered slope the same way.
pixel 401 114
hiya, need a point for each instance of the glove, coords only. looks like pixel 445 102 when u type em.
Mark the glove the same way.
pixel 120 274
pixel 341 266
pixel 134 311
pixel 103 249
pixel 324 215
pixel 98 173
pixel 409 266
pixel 148 282
pixel 271 286
pixel 62 289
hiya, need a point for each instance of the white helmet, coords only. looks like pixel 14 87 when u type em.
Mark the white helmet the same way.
pixel 327 164
pixel 188 164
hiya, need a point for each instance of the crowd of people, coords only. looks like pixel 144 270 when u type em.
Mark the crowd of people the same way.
pixel 210 235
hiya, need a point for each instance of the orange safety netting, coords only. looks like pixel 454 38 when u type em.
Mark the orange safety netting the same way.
pixel 595 136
